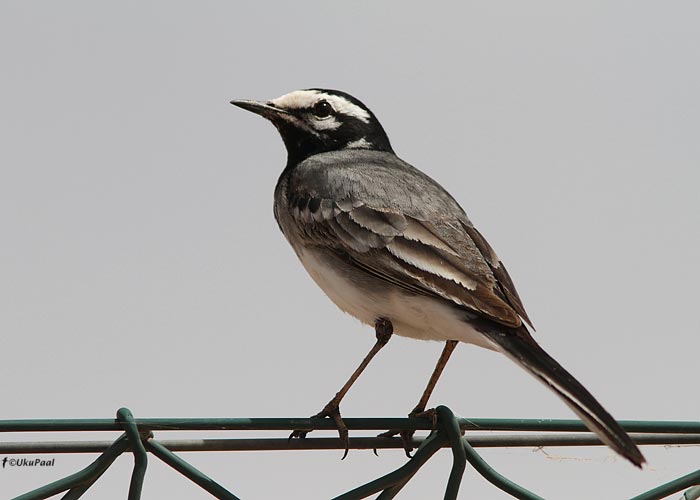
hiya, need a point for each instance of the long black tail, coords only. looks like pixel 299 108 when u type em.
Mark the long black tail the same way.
pixel 518 345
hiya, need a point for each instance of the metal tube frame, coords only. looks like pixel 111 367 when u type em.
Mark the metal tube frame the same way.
pixel 138 439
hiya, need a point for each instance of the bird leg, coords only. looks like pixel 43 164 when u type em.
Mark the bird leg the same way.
pixel 383 330
pixel 439 367
pixel 419 411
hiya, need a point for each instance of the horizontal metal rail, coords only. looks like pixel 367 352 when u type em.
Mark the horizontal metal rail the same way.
pixel 358 443
pixel 137 438
pixel 371 424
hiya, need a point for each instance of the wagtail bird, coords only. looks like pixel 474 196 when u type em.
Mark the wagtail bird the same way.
pixel 391 247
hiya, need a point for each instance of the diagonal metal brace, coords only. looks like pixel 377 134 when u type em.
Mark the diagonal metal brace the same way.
pixel 81 480
pixel 447 431
pixel 480 465
pixel 189 471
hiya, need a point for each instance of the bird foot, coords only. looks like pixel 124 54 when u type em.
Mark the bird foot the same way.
pixel 407 435
pixel 331 410
pixel 430 414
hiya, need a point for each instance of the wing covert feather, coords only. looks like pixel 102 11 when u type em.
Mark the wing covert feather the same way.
pixel 394 222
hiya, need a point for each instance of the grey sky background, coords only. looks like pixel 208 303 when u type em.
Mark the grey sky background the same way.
pixel 140 264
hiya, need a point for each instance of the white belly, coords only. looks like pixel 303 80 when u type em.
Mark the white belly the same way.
pixel 414 316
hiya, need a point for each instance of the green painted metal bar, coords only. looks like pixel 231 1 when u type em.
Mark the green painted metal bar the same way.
pixel 137 448
pixel 447 434
pixel 492 476
pixel 570 425
pixel 86 476
pixel 189 471
pixel 450 425
pixel 271 424
pixel 692 494
pixel 356 443
pixel 401 475
pixel 79 491
pixel 692 479
pixel 394 489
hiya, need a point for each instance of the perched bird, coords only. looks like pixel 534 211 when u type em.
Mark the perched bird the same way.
pixel 391 247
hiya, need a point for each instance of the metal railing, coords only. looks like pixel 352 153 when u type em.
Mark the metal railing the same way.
pixel 138 439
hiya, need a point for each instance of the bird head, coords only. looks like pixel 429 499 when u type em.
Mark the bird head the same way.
pixel 316 121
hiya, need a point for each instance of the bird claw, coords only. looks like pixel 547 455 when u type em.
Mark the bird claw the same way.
pixel 407 435
pixel 406 440
pixel 333 411
pixel 297 435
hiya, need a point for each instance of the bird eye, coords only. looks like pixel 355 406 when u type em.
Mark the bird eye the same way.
pixel 322 109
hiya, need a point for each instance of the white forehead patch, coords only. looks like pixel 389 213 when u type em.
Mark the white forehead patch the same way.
pixel 301 99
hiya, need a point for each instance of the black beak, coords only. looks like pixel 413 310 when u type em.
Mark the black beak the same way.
pixel 264 109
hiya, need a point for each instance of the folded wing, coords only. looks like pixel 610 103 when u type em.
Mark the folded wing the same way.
pixel 439 258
